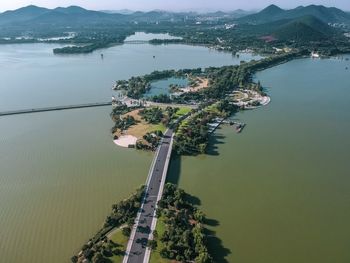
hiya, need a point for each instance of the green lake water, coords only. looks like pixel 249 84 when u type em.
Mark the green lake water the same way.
pixel 60 172
pixel 163 86
pixel 279 191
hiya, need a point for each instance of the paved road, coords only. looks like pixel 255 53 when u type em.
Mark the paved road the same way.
pixel 145 222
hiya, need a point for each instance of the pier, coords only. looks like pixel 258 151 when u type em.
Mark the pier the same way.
pixel 214 125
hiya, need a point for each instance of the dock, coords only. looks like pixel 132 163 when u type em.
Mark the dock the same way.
pixel 214 125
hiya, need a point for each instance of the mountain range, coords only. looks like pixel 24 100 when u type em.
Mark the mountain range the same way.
pixel 76 14
pixel 308 23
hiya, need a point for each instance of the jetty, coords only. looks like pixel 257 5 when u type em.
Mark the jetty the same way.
pixel 55 108
pixel 214 125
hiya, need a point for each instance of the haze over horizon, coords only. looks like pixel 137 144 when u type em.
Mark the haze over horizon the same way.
pixel 179 5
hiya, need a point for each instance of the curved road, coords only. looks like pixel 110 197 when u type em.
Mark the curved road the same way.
pixel 145 223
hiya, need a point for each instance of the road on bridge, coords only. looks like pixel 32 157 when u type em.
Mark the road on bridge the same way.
pixel 145 223
pixel 55 108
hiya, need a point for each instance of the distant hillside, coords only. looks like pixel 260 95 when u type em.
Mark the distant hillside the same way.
pixel 32 16
pixel 266 15
pixel 37 15
pixel 274 13
pixel 22 14
pixel 75 16
pixel 302 29
pixel 240 13
pixel 122 11
pixel 307 28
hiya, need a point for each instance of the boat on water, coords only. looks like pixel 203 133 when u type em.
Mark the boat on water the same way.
pixel 240 127
pixel 315 55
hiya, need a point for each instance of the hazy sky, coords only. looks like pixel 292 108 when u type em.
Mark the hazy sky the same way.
pixel 176 5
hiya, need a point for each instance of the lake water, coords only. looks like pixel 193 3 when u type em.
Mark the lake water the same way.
pixel 60 171
pixel 142 36
pixel 163 86
pixel 31 76
pixel 279 191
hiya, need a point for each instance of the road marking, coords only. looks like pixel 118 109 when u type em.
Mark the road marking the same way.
pixel 160 193
pixel 158 197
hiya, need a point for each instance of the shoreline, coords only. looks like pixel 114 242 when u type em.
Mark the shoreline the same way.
pixel 125 141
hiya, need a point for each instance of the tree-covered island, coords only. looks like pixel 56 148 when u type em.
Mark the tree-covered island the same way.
pixel 201 106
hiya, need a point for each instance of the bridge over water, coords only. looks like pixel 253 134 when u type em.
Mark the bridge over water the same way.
pixel 87 105
pixel 56 108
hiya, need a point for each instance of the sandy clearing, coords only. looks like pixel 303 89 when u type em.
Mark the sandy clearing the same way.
pixel 125 141
pixel 202 83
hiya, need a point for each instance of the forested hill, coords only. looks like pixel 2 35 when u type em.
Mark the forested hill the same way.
pixel 274 13
pixel 307 28
pixel 65 16
pixel 58 16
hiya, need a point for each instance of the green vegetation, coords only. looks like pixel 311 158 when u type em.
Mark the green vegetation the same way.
pixel 152 139
pixel 307 28
pixel 136 87
pixel 86 48
pixel 222 80
pixel 119 237
pixel 152 115
pixel 274 13
pixel 156 115
pixel 180 232
pixel 100 248
pixel 161 98
pixel 162 118
pixel 157 233
pixel 225 79
pixel 123 123
pixel 119 110
pixel 183 111
pixel 192 135
pixel 192 132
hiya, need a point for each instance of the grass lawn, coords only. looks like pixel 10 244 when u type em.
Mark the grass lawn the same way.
pixel 118 237
pixel 212 109
pixel 183 111
pixel 142 127
pixel 156 127
pixel 155 257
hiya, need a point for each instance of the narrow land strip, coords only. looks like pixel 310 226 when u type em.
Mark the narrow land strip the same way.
pixel 145 222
